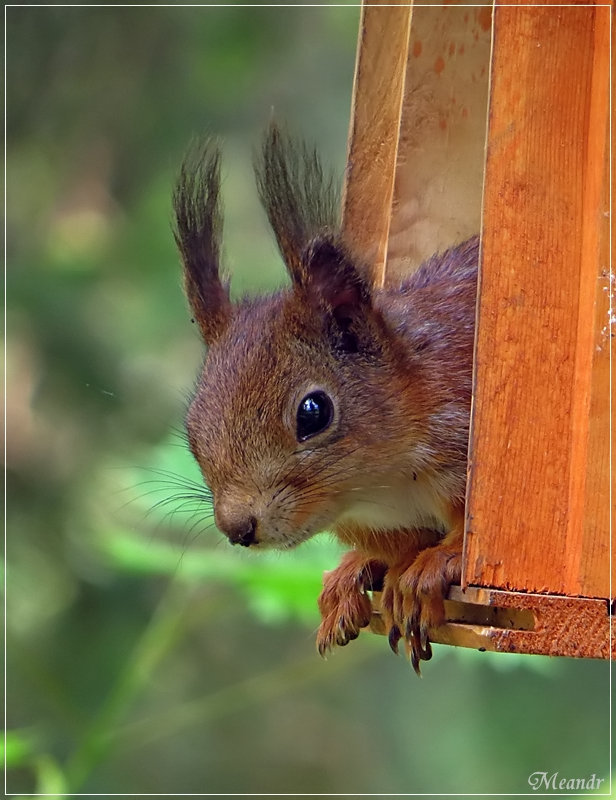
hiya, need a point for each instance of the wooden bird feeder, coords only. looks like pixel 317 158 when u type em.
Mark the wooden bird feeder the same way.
pixel 495 118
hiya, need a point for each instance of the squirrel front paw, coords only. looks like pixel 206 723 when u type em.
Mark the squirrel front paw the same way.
pixel 413 596
pixel 344 603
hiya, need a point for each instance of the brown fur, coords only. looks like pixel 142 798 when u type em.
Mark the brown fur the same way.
pixel 388 475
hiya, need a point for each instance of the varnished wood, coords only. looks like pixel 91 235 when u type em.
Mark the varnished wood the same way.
pixel 518 622
pixel 374 132
pixel 533 495
pixel 595 552
pixel 538 511
pixel 440 163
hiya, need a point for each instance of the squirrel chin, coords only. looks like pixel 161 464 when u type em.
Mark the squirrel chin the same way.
pixel 281 543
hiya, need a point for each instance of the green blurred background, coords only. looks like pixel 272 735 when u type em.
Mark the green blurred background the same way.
pixel 144 653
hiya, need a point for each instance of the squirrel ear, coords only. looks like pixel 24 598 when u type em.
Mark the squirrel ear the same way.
pixel 299 196
pixel 198 235
pixel 331 280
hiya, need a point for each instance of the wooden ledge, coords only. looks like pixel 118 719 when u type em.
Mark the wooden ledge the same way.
pixel 516 622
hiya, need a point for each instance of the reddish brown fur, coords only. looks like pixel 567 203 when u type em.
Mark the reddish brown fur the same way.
pixel 388 474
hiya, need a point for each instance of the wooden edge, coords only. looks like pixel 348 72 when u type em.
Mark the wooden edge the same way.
pixel 376 107
pixel 516 622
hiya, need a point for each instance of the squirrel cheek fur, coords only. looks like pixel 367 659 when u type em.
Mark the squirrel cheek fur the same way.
pixel 382 376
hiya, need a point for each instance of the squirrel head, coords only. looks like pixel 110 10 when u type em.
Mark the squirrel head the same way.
pixel 297 399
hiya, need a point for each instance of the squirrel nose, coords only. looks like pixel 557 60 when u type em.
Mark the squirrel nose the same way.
pixel 244 532
pixel 238 528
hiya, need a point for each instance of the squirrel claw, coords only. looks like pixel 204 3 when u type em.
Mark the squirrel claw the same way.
pixel 415 659
pixel 413 600
pixel 351 636
pixel 338 634
pixel 345 606
pixel 322 649
pixel 394 637
pixel 418 635
pixel 424 644
pixel 417 644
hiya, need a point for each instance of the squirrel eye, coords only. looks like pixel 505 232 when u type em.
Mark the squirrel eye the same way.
pixel 314 415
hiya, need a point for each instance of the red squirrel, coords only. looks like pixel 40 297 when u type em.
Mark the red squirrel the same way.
pixel 333 405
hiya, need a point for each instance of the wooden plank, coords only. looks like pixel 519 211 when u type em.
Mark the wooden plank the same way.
pixel 440 163
pixel 374 132
pixel 587 540
pixel 517 622
pixel 595 556
pixel 531 431
pixel 594 561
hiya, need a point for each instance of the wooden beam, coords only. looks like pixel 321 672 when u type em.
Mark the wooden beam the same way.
pixel 441 153
pixel 540 390
pixel 374 133
pixel 519 622
pixel 538 512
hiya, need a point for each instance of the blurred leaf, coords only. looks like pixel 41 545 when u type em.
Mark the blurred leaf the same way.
pixel 277 586
pixel 20 750
pixel 50 778
pixel 17 748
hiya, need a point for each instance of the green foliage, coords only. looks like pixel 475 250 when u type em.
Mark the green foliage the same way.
pixel 144 653
pixel 17 749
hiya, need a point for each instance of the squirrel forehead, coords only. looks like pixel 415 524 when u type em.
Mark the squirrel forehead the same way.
pixel 261 359
pixel 271 338
pixel 241 413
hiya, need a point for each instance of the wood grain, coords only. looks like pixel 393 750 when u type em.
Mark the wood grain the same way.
pixel 594 559
pixel 374 131
pixel 440 162
pixel 534 516
pixel 517 622
pixel 538 510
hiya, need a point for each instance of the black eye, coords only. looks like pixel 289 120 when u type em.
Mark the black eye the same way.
pixel 314 415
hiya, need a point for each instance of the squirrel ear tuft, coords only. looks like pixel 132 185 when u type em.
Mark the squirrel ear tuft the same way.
pixel 198 235
pixel 331 280
pixel 299 196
